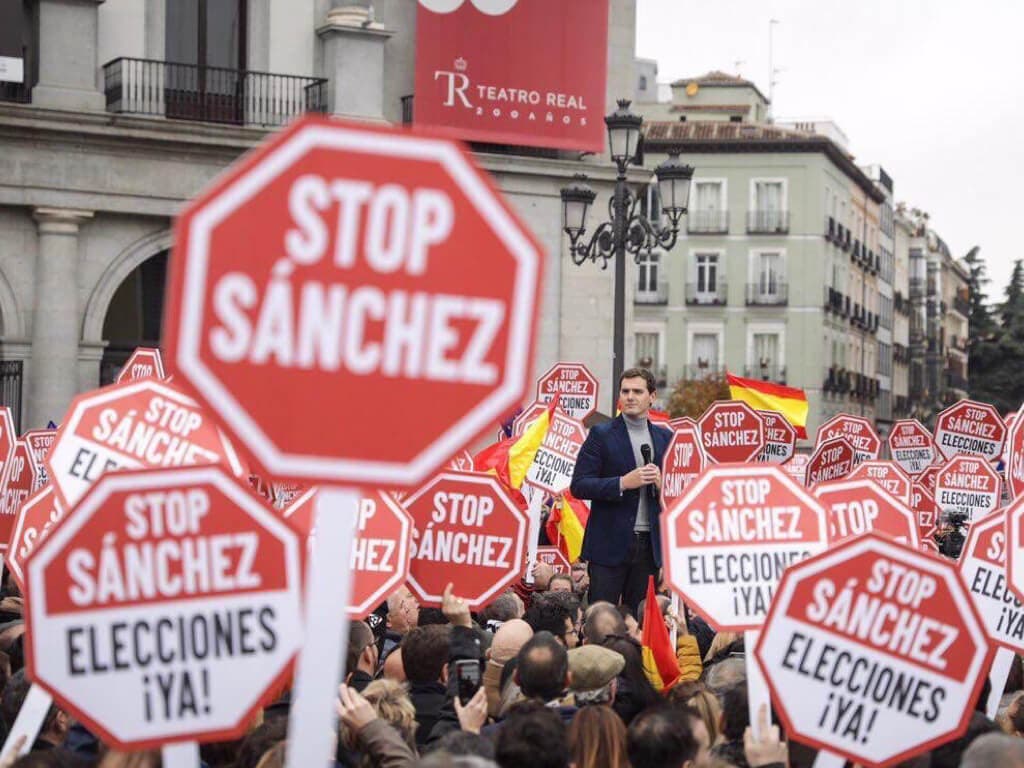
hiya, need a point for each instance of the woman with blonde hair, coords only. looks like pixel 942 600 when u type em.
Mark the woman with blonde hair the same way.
pixel 597 739
pixel 702 701
pixel 380 724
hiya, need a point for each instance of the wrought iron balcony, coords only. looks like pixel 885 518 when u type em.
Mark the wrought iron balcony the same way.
pixel 20 93
pixel 209 94
pixel 699 371
pixel 702 295
pixel 647 296
pixel 774 373
pixel 768 222
pixel 765 294
pixel 707 222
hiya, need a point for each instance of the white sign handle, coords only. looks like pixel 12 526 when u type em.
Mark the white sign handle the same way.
pixel 674 632
pixel 183 754
pixel 313 720
pixel 533 532
pixel 757 687
pixel 997 677
pixel 829 760
pixel 29 720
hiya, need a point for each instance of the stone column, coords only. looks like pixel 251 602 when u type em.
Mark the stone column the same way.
pixel 68 66
pixel 353 55
pixel 55 317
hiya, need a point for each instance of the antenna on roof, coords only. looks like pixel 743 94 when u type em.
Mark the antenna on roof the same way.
pixel 738 64
pixel 771 66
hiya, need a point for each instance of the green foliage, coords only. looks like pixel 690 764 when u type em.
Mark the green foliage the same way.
pixel 996 339
pixel 691 397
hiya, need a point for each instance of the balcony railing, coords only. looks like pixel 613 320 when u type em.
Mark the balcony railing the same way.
pixel 209 94
pixel 708 222
pixel 647 296
pixel 961 305
pixel 407 104
pixel 20 93
pixel 767 222
pixel 701 295
pixel 775 294
pixel 704 371
pixel 774 373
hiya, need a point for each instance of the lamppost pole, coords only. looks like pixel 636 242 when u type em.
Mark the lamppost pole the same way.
pixel 632 229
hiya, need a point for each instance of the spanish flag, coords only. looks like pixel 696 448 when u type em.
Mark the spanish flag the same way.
pixel 765 396
pixel 566 525
pixel 660 663
pixel 510 458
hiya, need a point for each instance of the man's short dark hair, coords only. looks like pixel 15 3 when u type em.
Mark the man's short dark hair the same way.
pixel 359 637
pixel 532 735
pixel 561 577
pixel 661 737
pixel 735 712
pixel 603 619
pixel 640 373
pixel 542 666
pixel 456 743
pixel 548 614
pixel 425 652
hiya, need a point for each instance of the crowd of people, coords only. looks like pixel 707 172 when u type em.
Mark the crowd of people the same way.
pixel 553 681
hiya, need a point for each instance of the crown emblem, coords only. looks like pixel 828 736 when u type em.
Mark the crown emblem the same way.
pixel 461 64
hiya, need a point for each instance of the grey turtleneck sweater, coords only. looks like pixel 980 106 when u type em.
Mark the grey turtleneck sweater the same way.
pixel 639 434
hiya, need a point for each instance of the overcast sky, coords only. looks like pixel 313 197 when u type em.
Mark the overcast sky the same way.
pixel 928 88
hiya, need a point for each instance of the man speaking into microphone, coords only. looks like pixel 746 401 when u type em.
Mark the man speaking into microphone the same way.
pixel 619 470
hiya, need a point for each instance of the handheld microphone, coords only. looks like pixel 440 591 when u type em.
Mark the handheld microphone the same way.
pixel 645 453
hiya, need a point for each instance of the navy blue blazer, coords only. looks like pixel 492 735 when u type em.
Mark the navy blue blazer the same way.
pixel 605 457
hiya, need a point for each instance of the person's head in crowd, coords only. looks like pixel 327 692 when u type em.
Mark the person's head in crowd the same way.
pixel 597 739
pixel 55 724
pixel 724 675
pixel 664 603
pixel 504 607
pixel 724 645
pixel 532 735
pixel 994 750
pixel 546 614
pixel 697 697
pixel 580 577
pixel 542 668
pixel 593 670
pixel 392 704
pixel 393 668
pixel 949 755
pixel 260 740
pixel 425 654
pixel 601 620
pixel 147 759
pixel 465 743
pixel 362 651
pixel 735 713
pixel 662 737
pixel 273 757
pixel 634 691
pixel 561 582
pixel 403 611
pixel 510 637
pixel 571 603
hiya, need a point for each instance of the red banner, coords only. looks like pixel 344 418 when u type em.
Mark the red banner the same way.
pixel 501 71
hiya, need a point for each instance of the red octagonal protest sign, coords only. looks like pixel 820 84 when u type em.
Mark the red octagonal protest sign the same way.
pixel 857 430
pixel 36 518
pixel 779 438
pixel 968 485
pixel 145 363
pixel 574 385
pixel 554 557
pixel 887 474
pixel 833 459
pixel 727 540
pixel 7 437
pixel 553 464
pixel 165 607
pixel 797 467
pixel 20 479
pixel 874 651
pixel 731 431
pixel 379 560
pixel 467 531
pixel 984 568
pixel 911 446
pixel 971 428
pixel 526 417
pixel 684 459
pixel 1015 458
pixel 39 442
pixel 856 507
pixel 923 503
pixel 326 297
pixel 143 423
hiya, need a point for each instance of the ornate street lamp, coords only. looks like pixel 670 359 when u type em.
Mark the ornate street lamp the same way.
pixel 629 227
